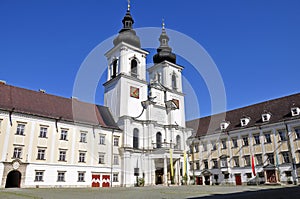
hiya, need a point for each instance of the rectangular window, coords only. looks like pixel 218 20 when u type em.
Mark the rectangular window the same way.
pixel 268 138
pixel 62 155
pixel 115 177
pixel 81 175
pixel 197 166
pixel 249 175
pixel 116 141
pixel 43 132
pixel 234 142
pixel 236 161
pixel 297 131
pixel 20 129
pixel 259 159
pixel 205 162
pixel 196 148
pixel 82 137
pixel 61 176
pixel 17 152
pixel 102 139
pixel 215 164
pixel 282 135
pixel 271 158
pixel 224 144
pixel 63 134
pixel 39 176
pixel 286 158
pixel 101 158
pixel 81 157
pixel 245 141
pixel 116 160
pixel 214 146
pixel 204 146
pixel 223 162
pixel 256 139
pixel 41 154
pixel 247 161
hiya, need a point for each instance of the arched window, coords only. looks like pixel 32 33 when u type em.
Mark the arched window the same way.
pixel 174 83
pixel 158 140
pixel 178 142
pixel 114 68
pixel 135 138
pixel 134 68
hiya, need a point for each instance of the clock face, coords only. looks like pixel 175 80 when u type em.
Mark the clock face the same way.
pixel 134 92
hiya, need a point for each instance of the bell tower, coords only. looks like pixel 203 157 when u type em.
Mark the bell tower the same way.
pixel 166 83
pixel 126 85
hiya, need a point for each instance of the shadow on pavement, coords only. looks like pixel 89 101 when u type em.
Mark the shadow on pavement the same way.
pixel 280 193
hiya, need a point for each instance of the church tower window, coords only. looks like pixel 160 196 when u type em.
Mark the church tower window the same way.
pixel 135 138
pixel 174 83
pixel 178 142
pixel 114 68
pixel 134 68
pixel 158 140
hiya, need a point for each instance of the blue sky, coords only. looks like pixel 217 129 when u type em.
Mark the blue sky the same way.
pixel 254 43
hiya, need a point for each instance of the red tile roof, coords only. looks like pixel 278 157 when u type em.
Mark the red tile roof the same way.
pixel 26 101
pixel 280 110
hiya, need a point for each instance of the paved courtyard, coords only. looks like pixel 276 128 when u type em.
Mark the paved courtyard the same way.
pixel 158 192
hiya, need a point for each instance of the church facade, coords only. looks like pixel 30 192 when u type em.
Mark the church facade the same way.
pixel 137 138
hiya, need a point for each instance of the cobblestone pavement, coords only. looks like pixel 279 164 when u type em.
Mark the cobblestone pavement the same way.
pixel 158 192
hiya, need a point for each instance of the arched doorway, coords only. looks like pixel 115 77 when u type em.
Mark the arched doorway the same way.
pixel 13 179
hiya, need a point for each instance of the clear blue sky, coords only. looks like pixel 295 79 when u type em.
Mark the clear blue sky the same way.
pixel 254 43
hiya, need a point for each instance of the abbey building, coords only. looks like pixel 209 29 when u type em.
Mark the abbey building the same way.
pixel 137 138
pixel 140 136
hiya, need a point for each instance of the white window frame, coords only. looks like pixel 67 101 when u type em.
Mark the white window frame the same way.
pixel 43 132
pixel 39 175
pixel 61 176
pixel 102 139
pixel 41 154
pixel 20 129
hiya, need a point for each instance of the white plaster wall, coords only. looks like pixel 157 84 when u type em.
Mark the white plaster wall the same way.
pixel 71 175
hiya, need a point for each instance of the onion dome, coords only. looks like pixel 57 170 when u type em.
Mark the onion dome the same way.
pixel 127 34
pixel 164 52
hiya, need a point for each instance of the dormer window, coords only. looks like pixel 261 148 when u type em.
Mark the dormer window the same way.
pixel 295 111
pixel 224 125
pixel 245 121
pixel 265 117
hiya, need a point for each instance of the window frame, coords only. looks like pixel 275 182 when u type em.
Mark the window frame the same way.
pixel 64 134
pixel 102 139
pixel 61 177
pixel 115 177
pixel 257 139
pixel 81 176
pixel 41 154
pixel 17 153
pixel 39 176
pixel 81 157
pixel 20 129
pixel 43 132
pixel 101 156
pixel 62 155
pixel 83 137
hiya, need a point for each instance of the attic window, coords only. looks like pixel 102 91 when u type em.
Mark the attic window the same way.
pixel 245 121
pixel 224 125
pixel 265 117
pixel 295 111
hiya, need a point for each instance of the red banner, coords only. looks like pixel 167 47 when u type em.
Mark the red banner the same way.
pixel 253 167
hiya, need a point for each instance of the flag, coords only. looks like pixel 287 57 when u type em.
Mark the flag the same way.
pixel 184 164
pixel 252 165
pixel 171 163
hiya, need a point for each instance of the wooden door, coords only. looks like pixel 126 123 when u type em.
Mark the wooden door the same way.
pixel 238 179
pixel 105 180
pixel 95 180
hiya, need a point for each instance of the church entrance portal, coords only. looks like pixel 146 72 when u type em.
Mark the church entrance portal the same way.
pixel 13 179
pixel 159 176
